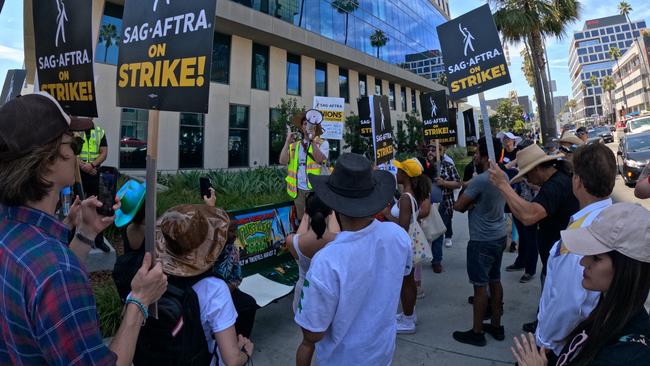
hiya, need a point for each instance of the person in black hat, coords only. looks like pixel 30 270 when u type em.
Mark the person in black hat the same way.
pixel 347 308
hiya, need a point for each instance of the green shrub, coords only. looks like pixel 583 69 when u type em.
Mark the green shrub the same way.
pixel 109 307
pixel 457 153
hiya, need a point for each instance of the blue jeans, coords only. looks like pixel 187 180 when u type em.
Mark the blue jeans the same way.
pixel 436 246
pixel 484 261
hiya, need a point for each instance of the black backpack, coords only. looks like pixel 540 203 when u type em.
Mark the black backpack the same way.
pixel 176 337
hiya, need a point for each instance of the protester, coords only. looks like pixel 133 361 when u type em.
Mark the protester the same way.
pixel 427 159
pixel 347 308
pixel 416 188
pixel 304 154
pixel 553 206
pixel 582 134
pixel 642 189
pixel 48 309
pixel 317 229
pixel 568 145
pixel 189 240
pixel 617 265
pixel 510 144
pixel 564 301
pixel 485 249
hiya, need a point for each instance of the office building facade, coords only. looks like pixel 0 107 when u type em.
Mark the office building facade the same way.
pixel 631 73
pixel 264 52
pixel 589 55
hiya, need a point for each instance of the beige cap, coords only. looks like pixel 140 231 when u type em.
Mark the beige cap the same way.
pixel 623 227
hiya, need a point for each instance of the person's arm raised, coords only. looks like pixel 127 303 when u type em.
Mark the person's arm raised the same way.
pixel 284 154
pixel 529 213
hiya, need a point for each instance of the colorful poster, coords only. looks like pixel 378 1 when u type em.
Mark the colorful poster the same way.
pixel 333 110
pixel 382 130
pixel 165 55
pixel 64 53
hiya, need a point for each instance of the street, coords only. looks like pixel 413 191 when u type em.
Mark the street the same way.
pixel 623 193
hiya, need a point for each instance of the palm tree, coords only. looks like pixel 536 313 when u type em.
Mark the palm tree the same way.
pixel 615 53
pixel 531 21
pixel 108 35
pixel 571 104
pixel 609 85
pixel 378 39
pixel 442 79
pixel 346 7
pixel 593 81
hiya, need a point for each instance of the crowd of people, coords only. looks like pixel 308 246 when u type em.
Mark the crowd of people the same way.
pixel 358 247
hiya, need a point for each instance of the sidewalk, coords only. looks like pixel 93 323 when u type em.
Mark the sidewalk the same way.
pixel 443 311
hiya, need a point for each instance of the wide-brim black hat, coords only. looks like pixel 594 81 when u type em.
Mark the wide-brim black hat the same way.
pixel 354 189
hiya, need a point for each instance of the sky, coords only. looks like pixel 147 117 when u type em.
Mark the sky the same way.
pixel 11 42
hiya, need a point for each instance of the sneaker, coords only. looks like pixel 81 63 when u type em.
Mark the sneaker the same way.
pixel 514 268
pixel 526 278
pixel 513 247
pixel 497 333
pixel 401 315
pixel 469 337
pixel 437 268
pixel 530 327
pixel 448 243
pixel 406 324
pixel 421 293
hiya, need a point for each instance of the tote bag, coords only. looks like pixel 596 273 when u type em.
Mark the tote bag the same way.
pixel 419 243
pixel 432 225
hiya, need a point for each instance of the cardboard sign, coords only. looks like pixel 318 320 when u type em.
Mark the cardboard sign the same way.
pixel 474 57
pixel 165 55
pixel 333 110
pixel 435 118
pixel 13 85
pixel 365 123
pixel 382 135
pixel 64 53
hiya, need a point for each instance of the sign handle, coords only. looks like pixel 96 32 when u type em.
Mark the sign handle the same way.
pixel 150 209
pixel 439 170
pixel 486 127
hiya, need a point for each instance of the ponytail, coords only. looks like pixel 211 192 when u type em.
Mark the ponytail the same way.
pixel 318 212
pixel 318 224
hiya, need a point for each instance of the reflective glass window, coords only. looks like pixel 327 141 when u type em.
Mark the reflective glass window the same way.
pixel 402 94
pixel 110 30
pixel 133 138
pixel 190 141
pixel 414 104
pixel 260 65
pixel 321 79
pixel 344 86
pixel 391 96
pixel 378 87
pixel 363 85
pixel 238 136
pixel 220 58
pixel 293 74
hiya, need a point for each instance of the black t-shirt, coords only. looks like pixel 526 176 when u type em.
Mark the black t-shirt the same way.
pixel 510 156
pixel 556 196
pixel 429 169
pixel 468 173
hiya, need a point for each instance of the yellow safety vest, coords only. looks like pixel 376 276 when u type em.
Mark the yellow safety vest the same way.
pixel 90 150
pixel 292 170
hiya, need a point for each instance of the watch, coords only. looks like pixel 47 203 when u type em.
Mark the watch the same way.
pixel 84 239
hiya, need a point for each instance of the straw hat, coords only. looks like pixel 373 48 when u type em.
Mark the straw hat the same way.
pixel 189 239
pixel 571 138
pixel 529 158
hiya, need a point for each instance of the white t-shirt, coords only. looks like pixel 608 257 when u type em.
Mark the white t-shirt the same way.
pixel 351 293
pixel 217 310
pixel 302 162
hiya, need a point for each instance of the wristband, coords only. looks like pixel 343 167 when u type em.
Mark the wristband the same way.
pixel 84 239
pixel 143 309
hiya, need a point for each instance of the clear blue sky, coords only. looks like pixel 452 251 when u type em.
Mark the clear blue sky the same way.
pixel 11 42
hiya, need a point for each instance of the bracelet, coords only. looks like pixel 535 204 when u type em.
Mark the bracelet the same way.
pixel 84 239
pixel 143 309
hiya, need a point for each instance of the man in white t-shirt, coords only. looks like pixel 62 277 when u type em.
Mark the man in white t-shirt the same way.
pixel 351 292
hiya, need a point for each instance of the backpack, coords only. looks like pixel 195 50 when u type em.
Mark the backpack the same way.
pixel 176 337
pixel 126 266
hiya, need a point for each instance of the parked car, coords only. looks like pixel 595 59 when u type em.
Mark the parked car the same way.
pixel 633 156
pixel 602 132
pixel 640 124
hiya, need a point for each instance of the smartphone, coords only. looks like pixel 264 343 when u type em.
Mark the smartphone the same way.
pixel 107 190
pixel 205 186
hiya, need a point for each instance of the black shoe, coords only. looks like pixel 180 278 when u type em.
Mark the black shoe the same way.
pixel 526 278
pixel 470 300
pixel 469 337
pixel 513 247
pixel 101 244
pixel 514 268
pixel 530 327
pixel 497 333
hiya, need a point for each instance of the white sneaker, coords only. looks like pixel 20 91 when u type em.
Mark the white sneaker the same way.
pixel 421 293
pixel 401 315
pixel 448 243
pixel 406 324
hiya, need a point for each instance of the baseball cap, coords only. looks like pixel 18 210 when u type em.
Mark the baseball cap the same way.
pixel 29 121
pixel 411 167
pixel 501 135
pixel 622 227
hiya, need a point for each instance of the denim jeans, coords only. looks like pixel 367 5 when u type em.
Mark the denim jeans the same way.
pixel 527 256
pixel 436 246
pixel 484 261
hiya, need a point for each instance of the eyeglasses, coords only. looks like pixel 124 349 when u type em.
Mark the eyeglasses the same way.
pixel 575 343
pixel 76 144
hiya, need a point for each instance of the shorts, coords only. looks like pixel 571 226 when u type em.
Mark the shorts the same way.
pixel 484 261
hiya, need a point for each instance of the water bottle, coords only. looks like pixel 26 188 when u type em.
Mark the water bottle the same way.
pixel 66 201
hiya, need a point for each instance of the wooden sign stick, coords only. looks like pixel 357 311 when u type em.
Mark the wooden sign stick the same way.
pixel 150 209
pixel 438 158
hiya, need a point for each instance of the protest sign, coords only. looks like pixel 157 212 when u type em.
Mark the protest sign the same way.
pixel 470 126
pixel 165 55
pixel 365 125
pixel 333 110
pixel 12 86
pixel 452 139
pixel 474 57
pixel 2 3
pixel 382 135
pixel 64 53
pixel 435 118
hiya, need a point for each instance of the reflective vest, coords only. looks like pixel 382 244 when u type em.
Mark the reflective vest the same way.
pixel 90 150
pixel 311 167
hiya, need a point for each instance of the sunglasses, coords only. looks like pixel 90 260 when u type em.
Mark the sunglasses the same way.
pixel 76 144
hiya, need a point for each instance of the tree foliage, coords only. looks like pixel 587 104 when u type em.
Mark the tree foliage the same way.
pixel 409 136
pixel 378 39
pixel 507 115
pixel 278 125
pixel 353 140
pixel 527 67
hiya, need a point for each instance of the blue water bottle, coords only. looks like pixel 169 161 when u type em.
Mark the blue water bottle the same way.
pixel 66 201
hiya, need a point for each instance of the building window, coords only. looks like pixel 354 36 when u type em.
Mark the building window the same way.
pixel 363 86
pixel 260 73
pixel 610 30
pixel 414 103
pixel 625 27
pixel 109 34
pixel 220 72
pixel 344 90
pixel 402 94
pixel 238 136
pixel 378 87
pixel 133 138
pixel 391 96
pixel 293 75
pixel 190 141
pixel 277 136
pixel 321 79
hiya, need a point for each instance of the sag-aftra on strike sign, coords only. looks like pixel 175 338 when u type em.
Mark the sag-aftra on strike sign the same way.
pixel 473 53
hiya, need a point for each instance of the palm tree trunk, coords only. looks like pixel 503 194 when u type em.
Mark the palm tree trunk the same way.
pixel 302 7
pixel 377 51
pixel 538 52
pixel 106 53
pixel 346 28
pixel 548 131
pixel 620 77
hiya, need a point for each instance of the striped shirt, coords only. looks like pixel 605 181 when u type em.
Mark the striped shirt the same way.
pixel 47 310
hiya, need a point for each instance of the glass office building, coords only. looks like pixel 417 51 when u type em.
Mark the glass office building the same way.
pixel 589 56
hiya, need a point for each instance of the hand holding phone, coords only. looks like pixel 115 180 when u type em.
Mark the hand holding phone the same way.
pixel 107 190
pixel 205 186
